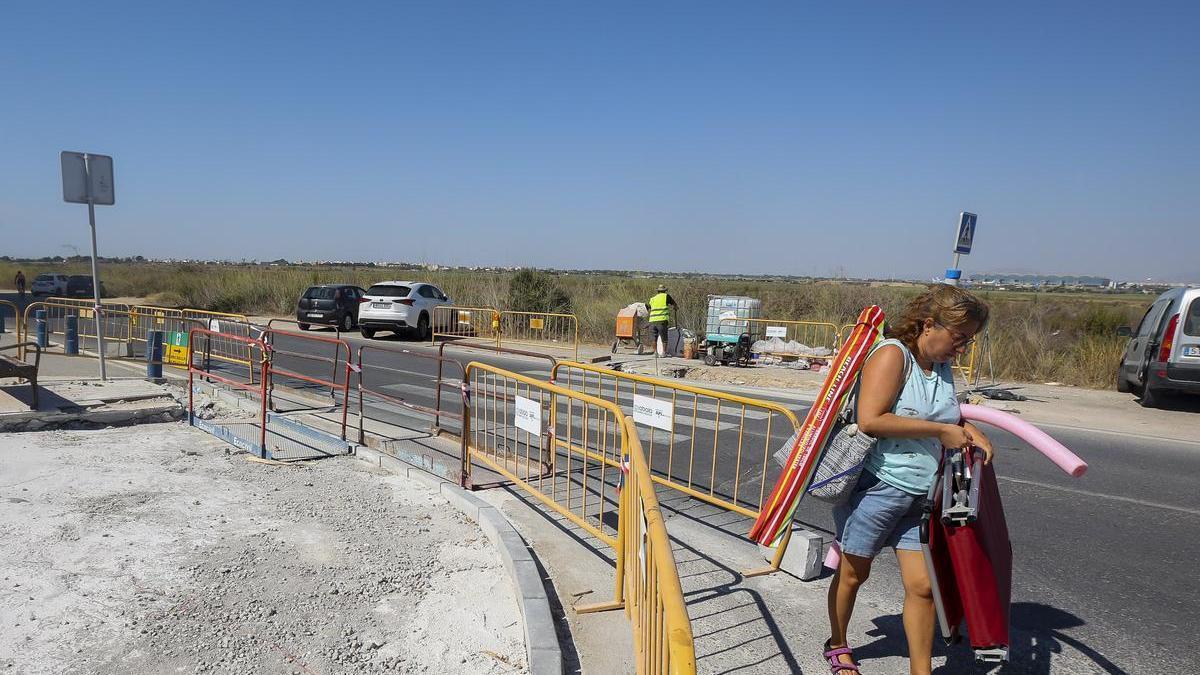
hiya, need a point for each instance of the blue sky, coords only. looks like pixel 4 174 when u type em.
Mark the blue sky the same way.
pixel 786 138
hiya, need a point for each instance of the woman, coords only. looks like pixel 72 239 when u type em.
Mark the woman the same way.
pixel 906 400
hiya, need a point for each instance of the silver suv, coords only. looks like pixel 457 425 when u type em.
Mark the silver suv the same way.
pixel 1163 355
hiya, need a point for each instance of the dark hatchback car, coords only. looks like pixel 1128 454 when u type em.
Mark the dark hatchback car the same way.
pixel 329 305
pixel 80 286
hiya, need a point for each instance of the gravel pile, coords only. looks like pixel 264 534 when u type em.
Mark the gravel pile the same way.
pixel 179 555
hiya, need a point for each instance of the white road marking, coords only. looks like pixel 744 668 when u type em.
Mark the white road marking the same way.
pixel 1089 493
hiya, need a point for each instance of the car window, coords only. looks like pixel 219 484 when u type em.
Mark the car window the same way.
pixel 1191 324
pixel 320 293
pixel 1151 318
pixel 437 293
pixel 426 292
pixel 388 291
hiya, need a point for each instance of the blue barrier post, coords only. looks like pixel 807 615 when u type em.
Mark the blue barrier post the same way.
pixel 72 341
pixel 154 354
pixel 39 320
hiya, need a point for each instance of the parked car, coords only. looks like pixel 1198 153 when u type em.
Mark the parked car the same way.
pixel 80 286
pixel 49 284
pixel 1163 354
pixel 401 307
pixel 330 305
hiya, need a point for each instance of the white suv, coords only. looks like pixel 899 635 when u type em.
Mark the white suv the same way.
pixel 400 306
pixel 49 284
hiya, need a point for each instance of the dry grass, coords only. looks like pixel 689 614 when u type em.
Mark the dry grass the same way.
pixel 1067 338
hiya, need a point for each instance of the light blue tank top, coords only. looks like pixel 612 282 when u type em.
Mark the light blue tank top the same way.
pixel 910 463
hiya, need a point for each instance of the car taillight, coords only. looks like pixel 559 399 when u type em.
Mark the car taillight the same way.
pixel 405 301
pixel 362 300
pixel 1164 351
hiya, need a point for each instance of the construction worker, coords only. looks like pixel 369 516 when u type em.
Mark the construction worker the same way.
pixel 660 317
pixel 19 280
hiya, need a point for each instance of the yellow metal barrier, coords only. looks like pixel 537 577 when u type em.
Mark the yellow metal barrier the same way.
pixel 692 432
pixel 844 333
pixel 965 364
pixel 16 312
pixel 148 317
pixel 810 333
pixel 481 323
pixel 570 450
pixel 114 328
pixel 662 631
pixel 706 444
pixel 542 329
pixel 561 446
pixel 87 303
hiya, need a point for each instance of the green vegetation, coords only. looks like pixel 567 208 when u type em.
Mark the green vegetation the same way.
pixel 1064 337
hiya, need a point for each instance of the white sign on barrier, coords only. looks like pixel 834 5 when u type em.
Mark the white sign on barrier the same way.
pixel 652 412
pixel 777 331
pixel 528 415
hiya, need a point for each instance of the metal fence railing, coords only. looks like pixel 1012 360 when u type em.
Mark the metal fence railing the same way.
pixel 654 603
pixel 375 371
pixel 569 450
pixel 257 443
pixel 221 324
pixel 478 323
pixel 809 333
pixel 7 307
pixel 710 445
pixel 542 329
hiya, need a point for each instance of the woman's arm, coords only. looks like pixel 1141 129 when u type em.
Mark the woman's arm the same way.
pixel 877 394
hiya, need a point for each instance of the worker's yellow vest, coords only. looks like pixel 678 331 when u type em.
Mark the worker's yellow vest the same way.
pixel 658 308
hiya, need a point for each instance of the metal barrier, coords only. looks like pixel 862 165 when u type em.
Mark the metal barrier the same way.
pixel 965 364
pixel 561 446
pixel 654 604
pixel 844 333
pixel 480 323
pixel 270 338
pixel 677 414
pixel 150 317
pixel 542 329
pixel 693 433
pixel 566 448
pixel 260 448
pixel 16 312
pixel 499 350
pixel 88 303
pixel 810 333
pixel 112 323
pixel 436 411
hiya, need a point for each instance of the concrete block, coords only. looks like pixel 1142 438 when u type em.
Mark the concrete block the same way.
pixel 425 478
pixel 545 661
pixel 492 522
pixel 804 555
pixel 529 582
pixel 464 501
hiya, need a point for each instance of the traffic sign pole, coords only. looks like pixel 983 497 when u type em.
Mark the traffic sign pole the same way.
pixel 97 313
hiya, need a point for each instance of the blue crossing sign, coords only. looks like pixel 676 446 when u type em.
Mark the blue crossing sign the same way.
pixel 966 232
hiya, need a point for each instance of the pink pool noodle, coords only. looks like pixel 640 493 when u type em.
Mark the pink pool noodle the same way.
pixel 1052 449
pixel 1040 440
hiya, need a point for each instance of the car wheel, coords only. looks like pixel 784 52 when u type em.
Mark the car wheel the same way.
pixel 347 323
pixel 303 326
pixel 710 359
pixel 1122 383
pixel 423 327
pixel 1151 397
pixel 368 333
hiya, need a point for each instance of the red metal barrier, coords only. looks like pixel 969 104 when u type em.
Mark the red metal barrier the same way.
pixel 268 337
pixel 436 411
pixel 260 388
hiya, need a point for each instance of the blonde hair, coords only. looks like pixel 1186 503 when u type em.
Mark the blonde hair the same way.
pixel 950 306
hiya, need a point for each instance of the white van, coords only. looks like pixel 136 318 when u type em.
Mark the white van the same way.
pixel 1163 355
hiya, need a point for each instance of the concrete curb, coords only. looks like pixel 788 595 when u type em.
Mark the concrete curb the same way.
pixel 541 639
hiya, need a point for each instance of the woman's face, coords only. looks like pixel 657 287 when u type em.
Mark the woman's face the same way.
pixel 942 342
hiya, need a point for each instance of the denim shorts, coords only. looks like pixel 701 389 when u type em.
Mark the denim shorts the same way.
pixel 878 515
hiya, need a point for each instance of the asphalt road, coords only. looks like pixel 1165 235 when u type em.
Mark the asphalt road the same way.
pixel 1104 565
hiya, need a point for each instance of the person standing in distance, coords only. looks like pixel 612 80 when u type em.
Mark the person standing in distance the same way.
pixel 660 317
